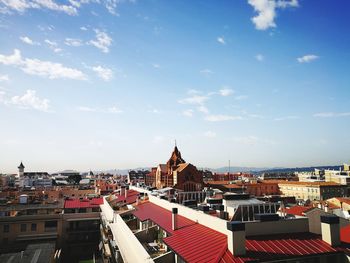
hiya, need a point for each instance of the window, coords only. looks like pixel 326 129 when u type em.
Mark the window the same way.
pixel 23 227
pixel 33 227
pixel 6 228
pixel 50 226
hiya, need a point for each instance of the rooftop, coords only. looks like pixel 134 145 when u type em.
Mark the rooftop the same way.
pixel 84 203
pixel 197 243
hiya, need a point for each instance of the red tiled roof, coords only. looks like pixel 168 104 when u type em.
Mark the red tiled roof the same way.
pixel 160 216
pixel 130 199
pixel 297 210
pixel 85 203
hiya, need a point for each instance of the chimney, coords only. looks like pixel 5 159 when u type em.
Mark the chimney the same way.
pixel 236 238
pixel 137 199
pixel 122 190
pixel 174 218
pixel 126 192
pixel 330 229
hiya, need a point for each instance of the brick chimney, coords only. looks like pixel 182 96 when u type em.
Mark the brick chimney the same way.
pixel 330 229
pixel 126 192
pixel 174 218
pixel 236 238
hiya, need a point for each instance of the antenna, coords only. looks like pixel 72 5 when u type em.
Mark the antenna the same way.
pixel 229 166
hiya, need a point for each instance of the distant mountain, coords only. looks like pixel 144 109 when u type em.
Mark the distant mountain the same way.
pixel 260 170
pixel 236 169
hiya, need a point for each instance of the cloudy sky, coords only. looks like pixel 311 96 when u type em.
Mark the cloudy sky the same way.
pixel 106 84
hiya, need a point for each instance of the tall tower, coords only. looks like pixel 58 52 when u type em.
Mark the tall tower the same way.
pixel 21 170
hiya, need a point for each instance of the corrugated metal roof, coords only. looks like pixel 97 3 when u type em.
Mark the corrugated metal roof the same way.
pixel 160 216
pixel 197 243
pixel 85 203
pixel 280 247
pixel 130 199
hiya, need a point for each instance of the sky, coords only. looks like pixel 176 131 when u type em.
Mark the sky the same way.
pixel 107 84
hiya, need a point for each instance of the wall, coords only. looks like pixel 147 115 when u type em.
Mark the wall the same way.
pixel 257 228
pixel 168 257
pixel 129 246
pixel 15 233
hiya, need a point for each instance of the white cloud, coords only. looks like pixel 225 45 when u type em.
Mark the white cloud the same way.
pixel 241 97
pixel 292 117
pixel 83 28
pixel 203 109
pixel 4 78
pixel 206 71
pixel 331 114
pixel 226 92
pixel 28 41
pixel 22 5
pixel 194 100
pixel 30 101
pixel 266 10
pixel 104 73
pixel 103 41
pixel 286 3
pixel 221 40
pixel 210 134
pixel 220 117
pixel 113 109
pixel 50 43
pixel 155 65
pixel 41 68
pixel 307 58
pixel 188 113
pixel 73 42
pixel 259 57
pixel 53 46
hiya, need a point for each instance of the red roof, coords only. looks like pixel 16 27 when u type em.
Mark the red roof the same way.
pixel 130 199
pixel 279 247
pixel 197 243
pixel 85 203
pixel 160 216
pixel 297 210
pixel 345 234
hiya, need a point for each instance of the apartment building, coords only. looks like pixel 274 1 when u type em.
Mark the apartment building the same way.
pixel 312 190
pixel 71 224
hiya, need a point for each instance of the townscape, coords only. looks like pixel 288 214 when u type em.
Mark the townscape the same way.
pixel 176 213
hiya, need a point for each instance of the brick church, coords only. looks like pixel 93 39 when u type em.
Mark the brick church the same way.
pixel 178 174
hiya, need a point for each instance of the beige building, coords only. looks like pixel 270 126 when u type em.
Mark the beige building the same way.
pixel 312 190
pixel 338 176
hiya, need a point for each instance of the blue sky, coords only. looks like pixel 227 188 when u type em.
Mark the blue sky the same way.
pixel 111 84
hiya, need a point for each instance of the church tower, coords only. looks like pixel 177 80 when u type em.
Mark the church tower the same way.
pixel 175 159
pixel 21 170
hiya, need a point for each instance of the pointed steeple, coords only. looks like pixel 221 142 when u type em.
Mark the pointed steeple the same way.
pixel 21 166
pixel 175 158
